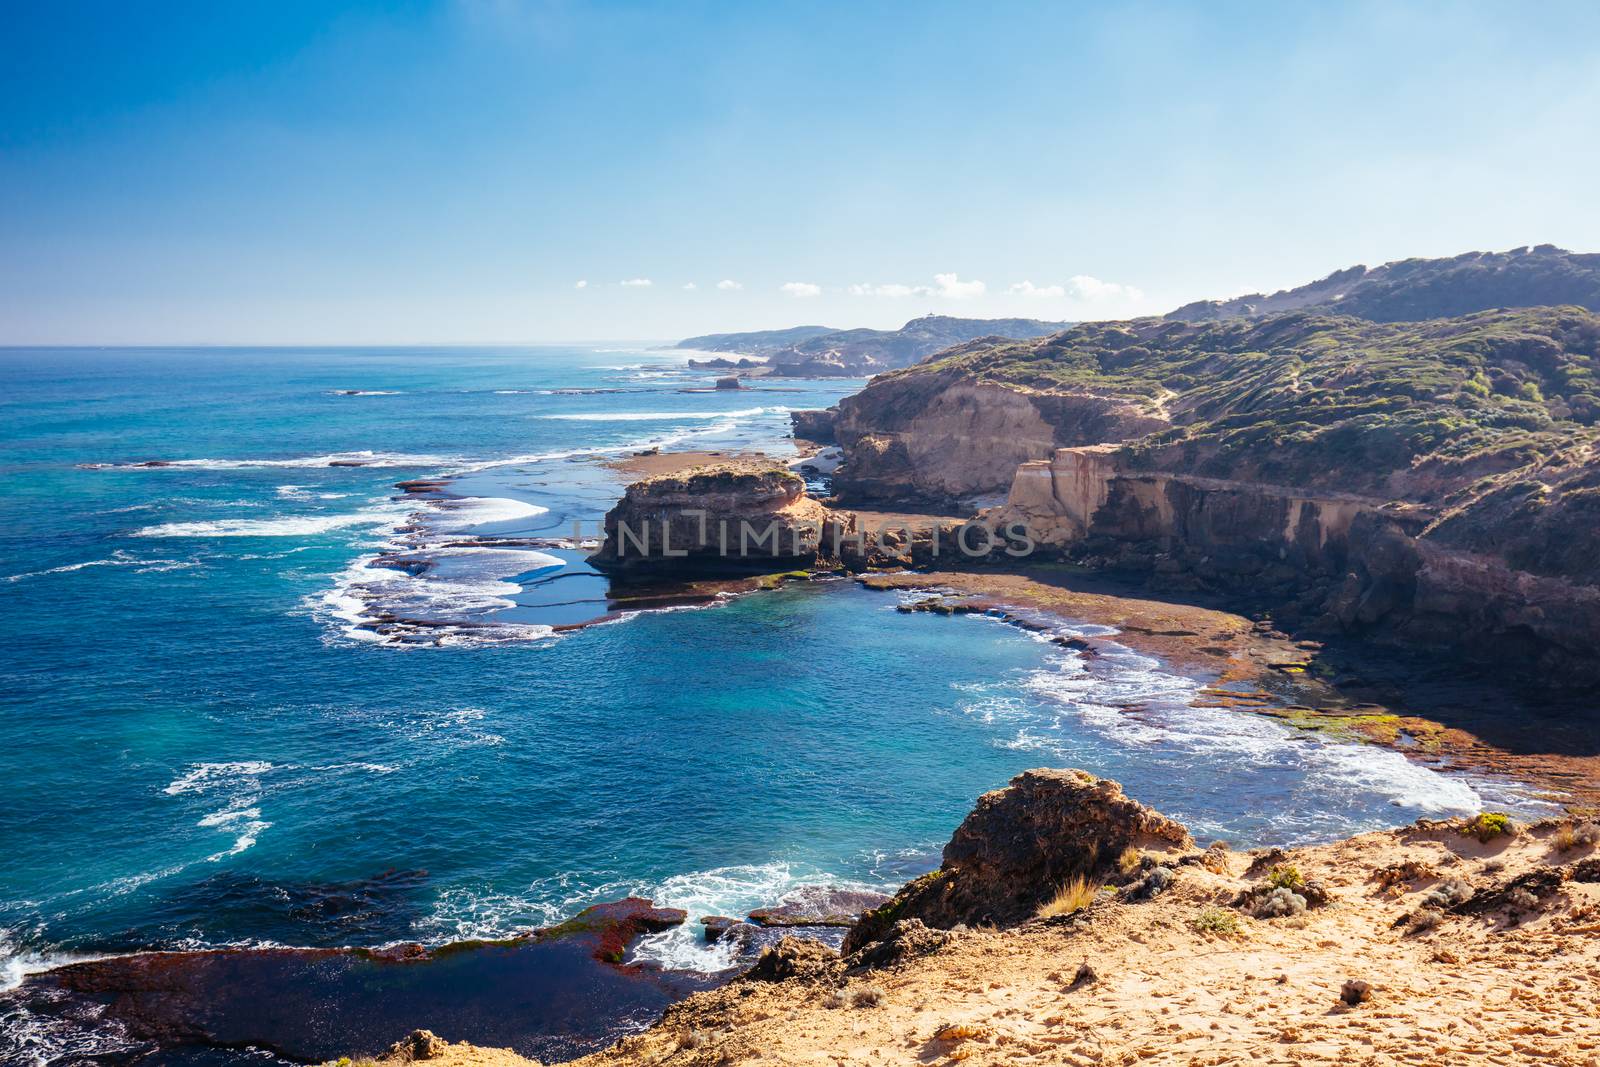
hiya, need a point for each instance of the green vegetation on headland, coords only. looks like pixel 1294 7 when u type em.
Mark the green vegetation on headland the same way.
pixel 1328 401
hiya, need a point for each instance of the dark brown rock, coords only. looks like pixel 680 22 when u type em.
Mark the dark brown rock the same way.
pixel 795 957
pixel 1018 846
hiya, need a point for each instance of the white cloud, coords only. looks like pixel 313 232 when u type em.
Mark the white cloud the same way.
pixel 637 283
pixel 945 286
pixel 953 288
pixel 891 289
pixel 728 283
pixel 801 289
pixel 1093 289
pixel 583 283
pixel 1038 292
pixel 690 286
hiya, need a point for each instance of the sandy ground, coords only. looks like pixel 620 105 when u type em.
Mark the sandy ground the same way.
pixel 1473 989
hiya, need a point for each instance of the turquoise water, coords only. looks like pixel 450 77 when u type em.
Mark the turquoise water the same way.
pixel 205 738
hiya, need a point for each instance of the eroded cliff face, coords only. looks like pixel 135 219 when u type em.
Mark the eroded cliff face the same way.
pixel 1332 561
pixel 943 439
pixel 712 520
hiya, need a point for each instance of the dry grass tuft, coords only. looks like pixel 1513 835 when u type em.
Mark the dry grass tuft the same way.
pixel 1073 896
pixel 1130 859
pixel 868 996
pixel 1577 835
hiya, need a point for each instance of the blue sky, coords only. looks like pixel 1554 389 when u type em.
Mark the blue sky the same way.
pixel 386 173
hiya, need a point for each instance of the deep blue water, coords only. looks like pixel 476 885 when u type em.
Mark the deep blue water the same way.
pixel 199 739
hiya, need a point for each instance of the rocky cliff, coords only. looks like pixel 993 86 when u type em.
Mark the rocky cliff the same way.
pixel 946 437
pixel 1437 482
pixel 1327 561
pixel 712 520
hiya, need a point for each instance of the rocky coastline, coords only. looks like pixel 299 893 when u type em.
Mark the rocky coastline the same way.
pixel 1069 923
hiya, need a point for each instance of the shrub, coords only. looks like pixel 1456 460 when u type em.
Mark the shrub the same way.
pixel 1577 835
pixel 1488 825
pixel 1447 894
pixel 1286 877
pixel 1279 903
pixel 1073 896
pixel 1219 921
pixel 1158 881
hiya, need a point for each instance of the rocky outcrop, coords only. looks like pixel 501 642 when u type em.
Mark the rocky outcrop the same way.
pixel 537 993
pixel 941 438
pixel 815 426
pixel 719 520
pixel 1018 847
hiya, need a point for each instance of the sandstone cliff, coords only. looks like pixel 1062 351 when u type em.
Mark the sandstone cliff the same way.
pixel 1333 562
pixel 1435 483
pixel 712 520
pixel 944 438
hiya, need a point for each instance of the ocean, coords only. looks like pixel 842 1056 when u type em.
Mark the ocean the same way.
pixel 230 696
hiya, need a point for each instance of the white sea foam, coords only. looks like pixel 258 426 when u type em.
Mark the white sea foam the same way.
pixel 118 559
pixel 278 526
pixel 240 815
pixel 1132 701
pixel 364 392
pixel 663 416
pixel 202 777
pixel 734 891
pixel 454 514
pixel 364 458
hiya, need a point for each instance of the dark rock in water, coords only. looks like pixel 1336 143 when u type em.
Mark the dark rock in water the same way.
pixel 543 995
pixel 743 941
pixel 423 485
pixel 717 925
pixel 795 957
pixel 612 926
pixel 730 382
pixel 819 906
pixel 1018 846
pixel 380 908
pixel 348 462
pixel 153 463
pixel 1077 644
